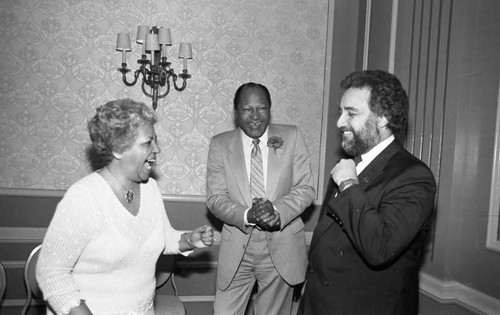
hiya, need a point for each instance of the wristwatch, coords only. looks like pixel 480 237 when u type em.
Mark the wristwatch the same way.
pixel 347 183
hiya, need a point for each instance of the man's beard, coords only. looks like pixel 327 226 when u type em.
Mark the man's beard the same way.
pixel 364 140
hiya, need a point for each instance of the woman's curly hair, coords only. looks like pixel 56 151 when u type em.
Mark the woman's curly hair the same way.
pixel 387 96
pixel 115 126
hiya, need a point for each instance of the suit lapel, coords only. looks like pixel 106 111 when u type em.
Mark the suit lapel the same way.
pixel 274 159
pixel 377 166
pixel 237 163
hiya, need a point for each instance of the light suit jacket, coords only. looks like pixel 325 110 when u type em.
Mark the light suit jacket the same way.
pixel 289 188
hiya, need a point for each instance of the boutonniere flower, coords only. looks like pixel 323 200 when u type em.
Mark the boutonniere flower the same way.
pixel 275 143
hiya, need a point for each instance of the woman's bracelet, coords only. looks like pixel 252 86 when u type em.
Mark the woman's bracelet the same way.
pixel 188 241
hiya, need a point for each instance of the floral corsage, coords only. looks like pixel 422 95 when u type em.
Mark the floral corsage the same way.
pixel 275 143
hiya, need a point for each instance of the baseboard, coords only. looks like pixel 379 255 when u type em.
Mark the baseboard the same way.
pixel 454 292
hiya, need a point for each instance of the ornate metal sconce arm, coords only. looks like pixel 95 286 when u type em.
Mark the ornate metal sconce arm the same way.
pixel 184 76
pixel 124 72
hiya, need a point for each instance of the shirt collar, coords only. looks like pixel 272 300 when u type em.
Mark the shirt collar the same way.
pixel 247 141
pixel 372 154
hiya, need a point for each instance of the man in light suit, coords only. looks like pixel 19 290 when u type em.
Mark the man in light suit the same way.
pixel 368 245
pixel 263 235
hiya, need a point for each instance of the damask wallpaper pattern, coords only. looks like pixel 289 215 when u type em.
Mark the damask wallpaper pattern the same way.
pixel 59 63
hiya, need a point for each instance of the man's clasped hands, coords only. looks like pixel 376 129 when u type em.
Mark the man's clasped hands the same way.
pixel 264 215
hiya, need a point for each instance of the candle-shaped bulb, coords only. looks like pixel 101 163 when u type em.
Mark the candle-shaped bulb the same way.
pixel 152 45
pixel 152 42
pixel 123 45
pixel 142 31
pixel 165 39
pixel 185 52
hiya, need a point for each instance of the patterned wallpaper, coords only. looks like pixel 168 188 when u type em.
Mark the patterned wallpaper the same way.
pixel 59 63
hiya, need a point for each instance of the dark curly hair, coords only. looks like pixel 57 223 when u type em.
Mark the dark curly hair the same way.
pixel 387 96
pixel 250 86
pixel 115 126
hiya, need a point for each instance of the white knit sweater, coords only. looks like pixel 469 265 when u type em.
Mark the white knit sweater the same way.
pixel 96 251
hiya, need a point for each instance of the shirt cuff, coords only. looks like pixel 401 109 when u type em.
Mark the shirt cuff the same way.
pixel 245 218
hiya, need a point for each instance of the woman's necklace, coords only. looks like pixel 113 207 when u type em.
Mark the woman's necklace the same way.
pixel 129 193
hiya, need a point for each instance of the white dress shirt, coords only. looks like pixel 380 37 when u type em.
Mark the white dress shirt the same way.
pixel 372 154
pixel 247 152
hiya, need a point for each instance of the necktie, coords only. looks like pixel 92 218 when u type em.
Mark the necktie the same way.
pixel 357 159
pixel 256 171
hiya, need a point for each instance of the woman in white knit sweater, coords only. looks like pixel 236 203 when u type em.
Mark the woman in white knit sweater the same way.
pixel 100 251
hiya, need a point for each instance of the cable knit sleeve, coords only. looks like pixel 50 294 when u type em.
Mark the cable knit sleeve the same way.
pixel 172 236
pixel 69 232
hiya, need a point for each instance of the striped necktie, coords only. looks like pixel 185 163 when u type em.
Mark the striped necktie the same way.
pixel 256 172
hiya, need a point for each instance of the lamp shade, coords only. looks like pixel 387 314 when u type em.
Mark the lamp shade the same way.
pixel 152 42
pixel 123 42
pixel 142 31
pixel 185 51
pixel 164 37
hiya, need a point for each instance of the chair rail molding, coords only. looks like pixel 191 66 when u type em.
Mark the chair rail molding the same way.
pixel 60 193
pixel 22 234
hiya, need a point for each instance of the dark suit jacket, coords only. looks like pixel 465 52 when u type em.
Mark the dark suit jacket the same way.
pixel 367 248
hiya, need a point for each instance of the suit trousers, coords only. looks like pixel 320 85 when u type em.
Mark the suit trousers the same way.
pixel 274 295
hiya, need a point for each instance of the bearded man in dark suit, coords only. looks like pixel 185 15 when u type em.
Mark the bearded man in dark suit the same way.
pixel 368 245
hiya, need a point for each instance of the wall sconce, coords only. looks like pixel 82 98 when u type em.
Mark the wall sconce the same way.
pixel 156 71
